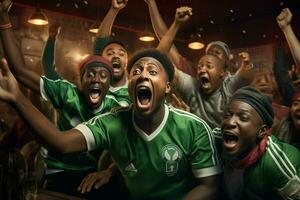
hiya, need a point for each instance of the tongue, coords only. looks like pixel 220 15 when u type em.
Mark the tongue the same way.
pixel 94 97
pixel 144 100
pixel 230 143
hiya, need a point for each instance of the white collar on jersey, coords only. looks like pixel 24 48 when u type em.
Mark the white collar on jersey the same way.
pixel 150 137
pixel 97 110
pixel 113 89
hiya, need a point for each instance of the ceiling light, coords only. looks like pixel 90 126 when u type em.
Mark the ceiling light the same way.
pixel 195 42
pixel 38 18
pixel 146 36
pixel 94 28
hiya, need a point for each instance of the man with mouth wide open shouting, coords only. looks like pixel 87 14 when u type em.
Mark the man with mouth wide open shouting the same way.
pixel 162 152
pixel 104 45
pixel 75 105
pixel 257 164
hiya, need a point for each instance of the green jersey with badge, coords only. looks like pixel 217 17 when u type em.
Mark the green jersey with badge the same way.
pixel 160 165
pixel 73 110
pixel 278 171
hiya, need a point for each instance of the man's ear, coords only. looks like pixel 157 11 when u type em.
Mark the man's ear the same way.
pixel 262 131
pixel 168 87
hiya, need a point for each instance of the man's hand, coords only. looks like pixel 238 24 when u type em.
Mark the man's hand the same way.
pixel 54 30
pixel 119 4
pixel 5 6
pixel 284 18
pixel 183 14
pixel 95 180
pixel 9 88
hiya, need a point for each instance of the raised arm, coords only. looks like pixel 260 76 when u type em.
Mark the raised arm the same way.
pixel 182 15
pixel 104 29
pixel 48 58
pixel 285 85
pixel 70 141
pixel 13 52
pixel 245 72
pixel 160 28
pixel 284 22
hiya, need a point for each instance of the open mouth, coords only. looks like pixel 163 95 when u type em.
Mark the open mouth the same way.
pixel 116 62
pixel 230 140
pixel 144 95
pixel 297 116
pixel 95 94
pixel 205 83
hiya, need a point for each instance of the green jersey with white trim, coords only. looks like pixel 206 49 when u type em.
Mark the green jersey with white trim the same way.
pixel 159 165
pixel 277 172
pixel 121 94
pixel 73 110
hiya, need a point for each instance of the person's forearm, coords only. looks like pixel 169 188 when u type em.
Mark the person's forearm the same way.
pixel 160 28
pixel 15 58
pixel 284 83
pixel 105 27
pixel 48 59
pixel 167 40
pixel 293 44
pixel 42 126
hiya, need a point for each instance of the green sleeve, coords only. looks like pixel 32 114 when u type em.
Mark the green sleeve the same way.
pixel 204 157
pixel 95 132
pixel 57 91
pixel 282 163
pixel 48 60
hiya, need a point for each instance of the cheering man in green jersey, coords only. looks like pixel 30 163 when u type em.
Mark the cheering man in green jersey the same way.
pixel 75 105
pixel 106 46
pixel 157 148
pixel 258 165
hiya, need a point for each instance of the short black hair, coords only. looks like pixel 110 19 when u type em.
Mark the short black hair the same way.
pixel 154 53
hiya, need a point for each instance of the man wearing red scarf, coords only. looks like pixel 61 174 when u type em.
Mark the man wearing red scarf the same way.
pixel 257 164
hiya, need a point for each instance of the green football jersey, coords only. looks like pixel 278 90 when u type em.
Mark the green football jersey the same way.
pixel 121 94
pixel 160 165
pixel 73 110
pixel 278 171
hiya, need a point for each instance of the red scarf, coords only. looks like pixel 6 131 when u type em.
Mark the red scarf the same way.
pixel 255 154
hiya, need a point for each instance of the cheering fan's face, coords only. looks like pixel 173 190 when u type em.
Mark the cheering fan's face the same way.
pixel 240 129
pixel 210 73
pixel 117 55
pixel 148 85
pixel 94 85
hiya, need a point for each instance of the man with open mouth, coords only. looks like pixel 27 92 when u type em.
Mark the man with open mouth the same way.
pixel 257 164
pixel 75 105
pixel 162 152
pixel 104 45
pixel 114 51
pixel 209 92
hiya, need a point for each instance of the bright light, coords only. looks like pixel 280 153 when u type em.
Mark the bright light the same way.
pixel 146 38
pixel 38 18
pixel 93 30
pixel 196 45
pixel 39 22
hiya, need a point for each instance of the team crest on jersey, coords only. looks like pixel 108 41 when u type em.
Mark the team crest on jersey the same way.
pixel 171 155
